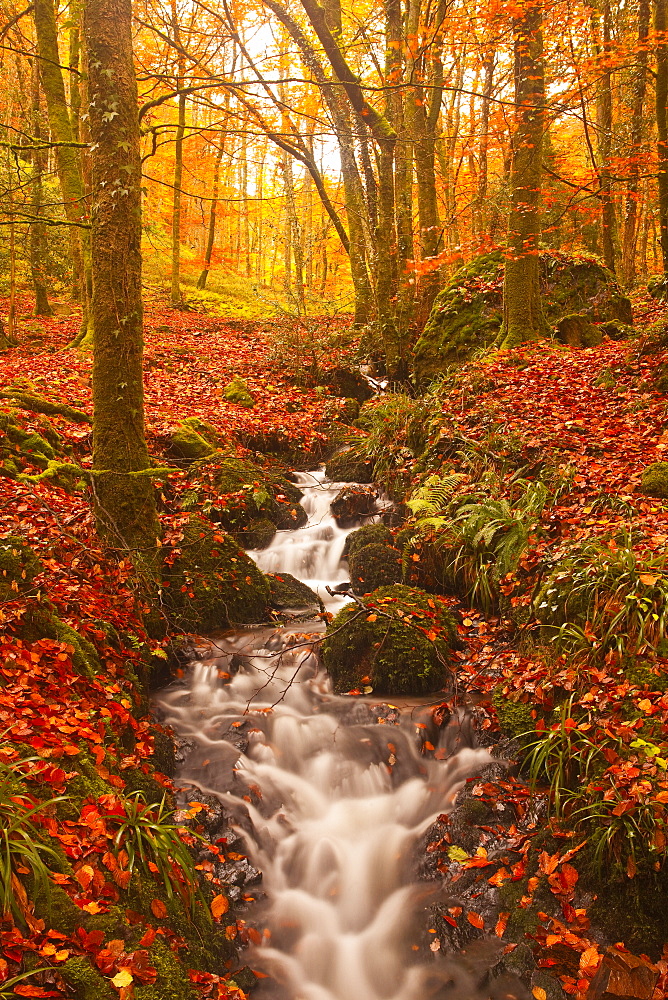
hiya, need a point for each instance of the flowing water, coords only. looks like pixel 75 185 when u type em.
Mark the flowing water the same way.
pixel 331 797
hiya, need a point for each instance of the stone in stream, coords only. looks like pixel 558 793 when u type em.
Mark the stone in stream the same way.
pixel 352 503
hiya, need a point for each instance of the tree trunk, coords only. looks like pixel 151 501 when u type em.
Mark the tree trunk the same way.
pixel 67 157
pixel 211 232
pixel 176 207
pixel 38 244
pixel 522 313
pixel 633 188
pixel 661 27
pixel 604 137
pixel 124 496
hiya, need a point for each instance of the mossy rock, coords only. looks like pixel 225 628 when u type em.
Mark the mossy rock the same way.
pixel 654 480
pixel 172 982
pixel 237 392
pixel 577 330
pixel 632 910
pixel 212 583
pixel 187 443
pixel 375 565
pixel 86 981
pixel 467 314
pixel 514 716
pixel 258 534
pixel 289 592
pixel 19 565
pixel 20 445
pixel 42 622
pixel 349 466
pixel 368 534
pixel 387 642
pixel 253 493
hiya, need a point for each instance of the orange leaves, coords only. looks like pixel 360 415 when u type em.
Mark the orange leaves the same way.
pixel 475 919
pixel 158 909
pixel 219 905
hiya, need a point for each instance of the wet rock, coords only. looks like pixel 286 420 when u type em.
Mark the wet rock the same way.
pixel 352 503
pixel 623 976
pixel 289 592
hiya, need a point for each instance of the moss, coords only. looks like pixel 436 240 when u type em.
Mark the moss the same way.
pixel 288 592
pixel 258 534
pixel 86 981
pixel 367 535
pixel 163 758
pixel 253 492
pixel 467 314
pixel 172 982
pixel 188 443
pixel 19 565
pixel 39 404
pixel 41 622
pixel 514 716
pixel 388 643
pixel 373 566
pixel 642 675
pixel 237 392
pixel 55 907
pixel 654 480
pixel 349 466
pixel 634 911
pixel 577 330
pixel 68 476
pixel 212 583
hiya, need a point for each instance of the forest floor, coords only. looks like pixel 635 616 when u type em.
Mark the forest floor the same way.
pixel 596 411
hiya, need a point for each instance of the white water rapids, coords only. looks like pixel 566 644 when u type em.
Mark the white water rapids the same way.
pixel 332 803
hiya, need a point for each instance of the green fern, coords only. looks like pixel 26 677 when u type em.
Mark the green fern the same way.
pixel 435 494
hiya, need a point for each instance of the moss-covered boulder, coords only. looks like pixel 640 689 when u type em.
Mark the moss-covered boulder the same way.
pixel 209 582
pixel 467 314
pixel 19 565
pixel 189 444
pixel 249 492
pixel 238 392
pixel 349 466
pixel 368 534
pixel 289 592
pixel 654 480
pixel 258 534
pixel 577 330
pixel 401 641
pixel 375 565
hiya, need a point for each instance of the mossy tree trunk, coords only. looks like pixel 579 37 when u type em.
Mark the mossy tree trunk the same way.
pixel 661 28
pixel 125 501
pixel 38 244
pixel 522 313
pixel 639 90
pixel 67 155
pixel 601 33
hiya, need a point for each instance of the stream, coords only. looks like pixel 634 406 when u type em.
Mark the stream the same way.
pixel 330 795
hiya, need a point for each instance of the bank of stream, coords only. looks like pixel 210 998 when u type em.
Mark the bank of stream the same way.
pixel 330 796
